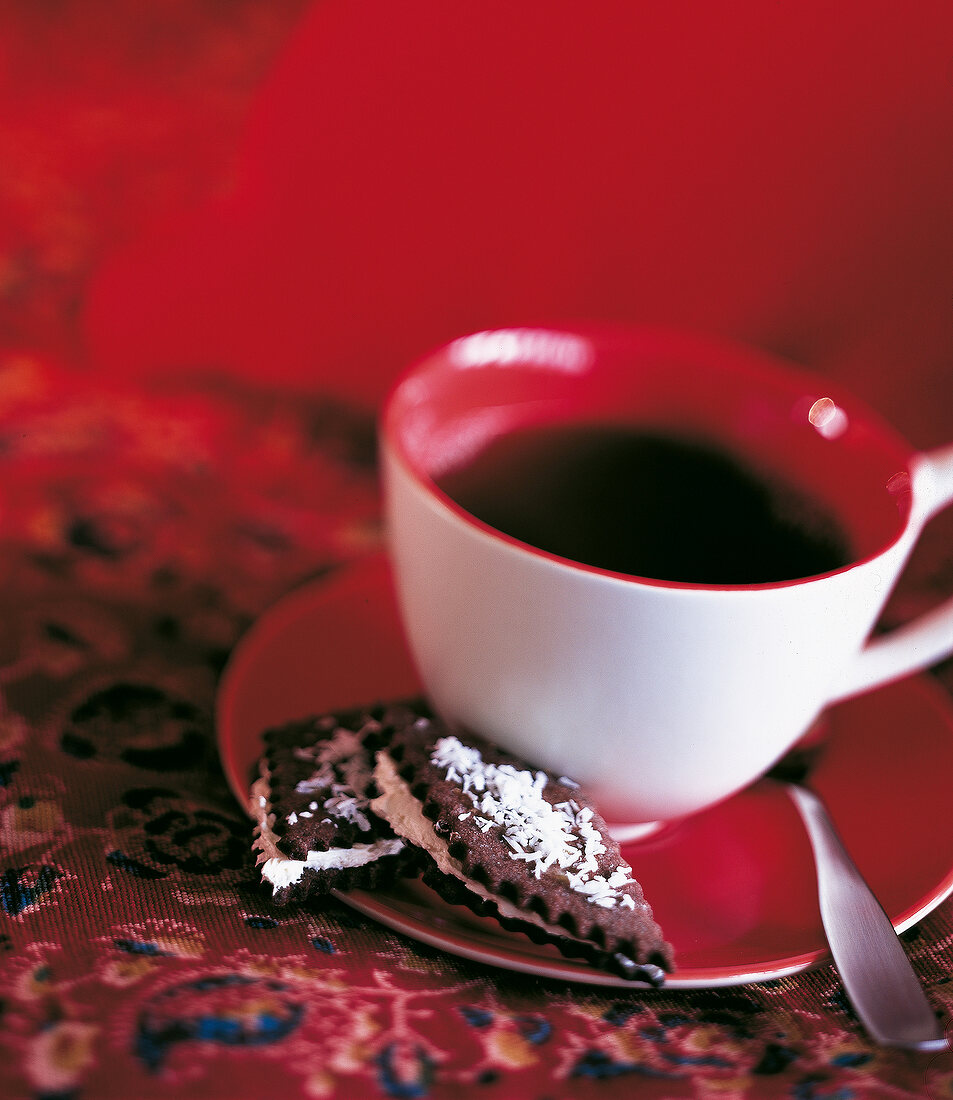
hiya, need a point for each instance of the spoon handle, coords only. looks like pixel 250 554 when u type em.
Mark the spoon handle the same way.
pixel 872 963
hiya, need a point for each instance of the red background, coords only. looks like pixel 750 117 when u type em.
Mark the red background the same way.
pixel 780 173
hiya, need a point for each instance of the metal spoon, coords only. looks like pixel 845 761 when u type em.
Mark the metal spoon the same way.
pixel 875 970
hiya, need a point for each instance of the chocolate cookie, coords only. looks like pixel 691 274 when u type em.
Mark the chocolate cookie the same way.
pixel 316 830
pixel 515 843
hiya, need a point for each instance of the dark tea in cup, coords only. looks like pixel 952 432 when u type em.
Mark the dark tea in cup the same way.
pixel 646 504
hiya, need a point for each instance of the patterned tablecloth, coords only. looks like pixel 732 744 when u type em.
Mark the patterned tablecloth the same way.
pixel 143 528
pixel 143 533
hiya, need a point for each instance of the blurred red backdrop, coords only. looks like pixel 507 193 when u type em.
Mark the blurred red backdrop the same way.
pixel 352 188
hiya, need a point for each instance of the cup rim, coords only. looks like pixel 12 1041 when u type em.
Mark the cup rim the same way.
pixel 677 341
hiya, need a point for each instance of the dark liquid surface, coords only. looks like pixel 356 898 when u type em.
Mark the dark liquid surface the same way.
pixel 649 505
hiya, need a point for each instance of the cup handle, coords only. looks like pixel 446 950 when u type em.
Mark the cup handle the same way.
pixel 929 637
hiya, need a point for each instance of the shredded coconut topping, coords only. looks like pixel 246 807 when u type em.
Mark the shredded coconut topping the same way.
pixel 543 834
pixel 345 805
pixel 341 774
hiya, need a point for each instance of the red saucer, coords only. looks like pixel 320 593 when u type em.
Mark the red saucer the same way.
pixel 733 887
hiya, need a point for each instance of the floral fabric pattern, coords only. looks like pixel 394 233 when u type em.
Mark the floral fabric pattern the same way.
pixel 139 955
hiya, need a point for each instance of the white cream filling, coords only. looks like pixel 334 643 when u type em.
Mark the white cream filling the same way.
pixel 283 871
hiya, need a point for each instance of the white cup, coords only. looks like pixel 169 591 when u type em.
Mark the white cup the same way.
pixel 661 697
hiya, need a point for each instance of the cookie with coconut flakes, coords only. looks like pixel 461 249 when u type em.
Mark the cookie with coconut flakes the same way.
pixel 518 844
pixel 315 828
